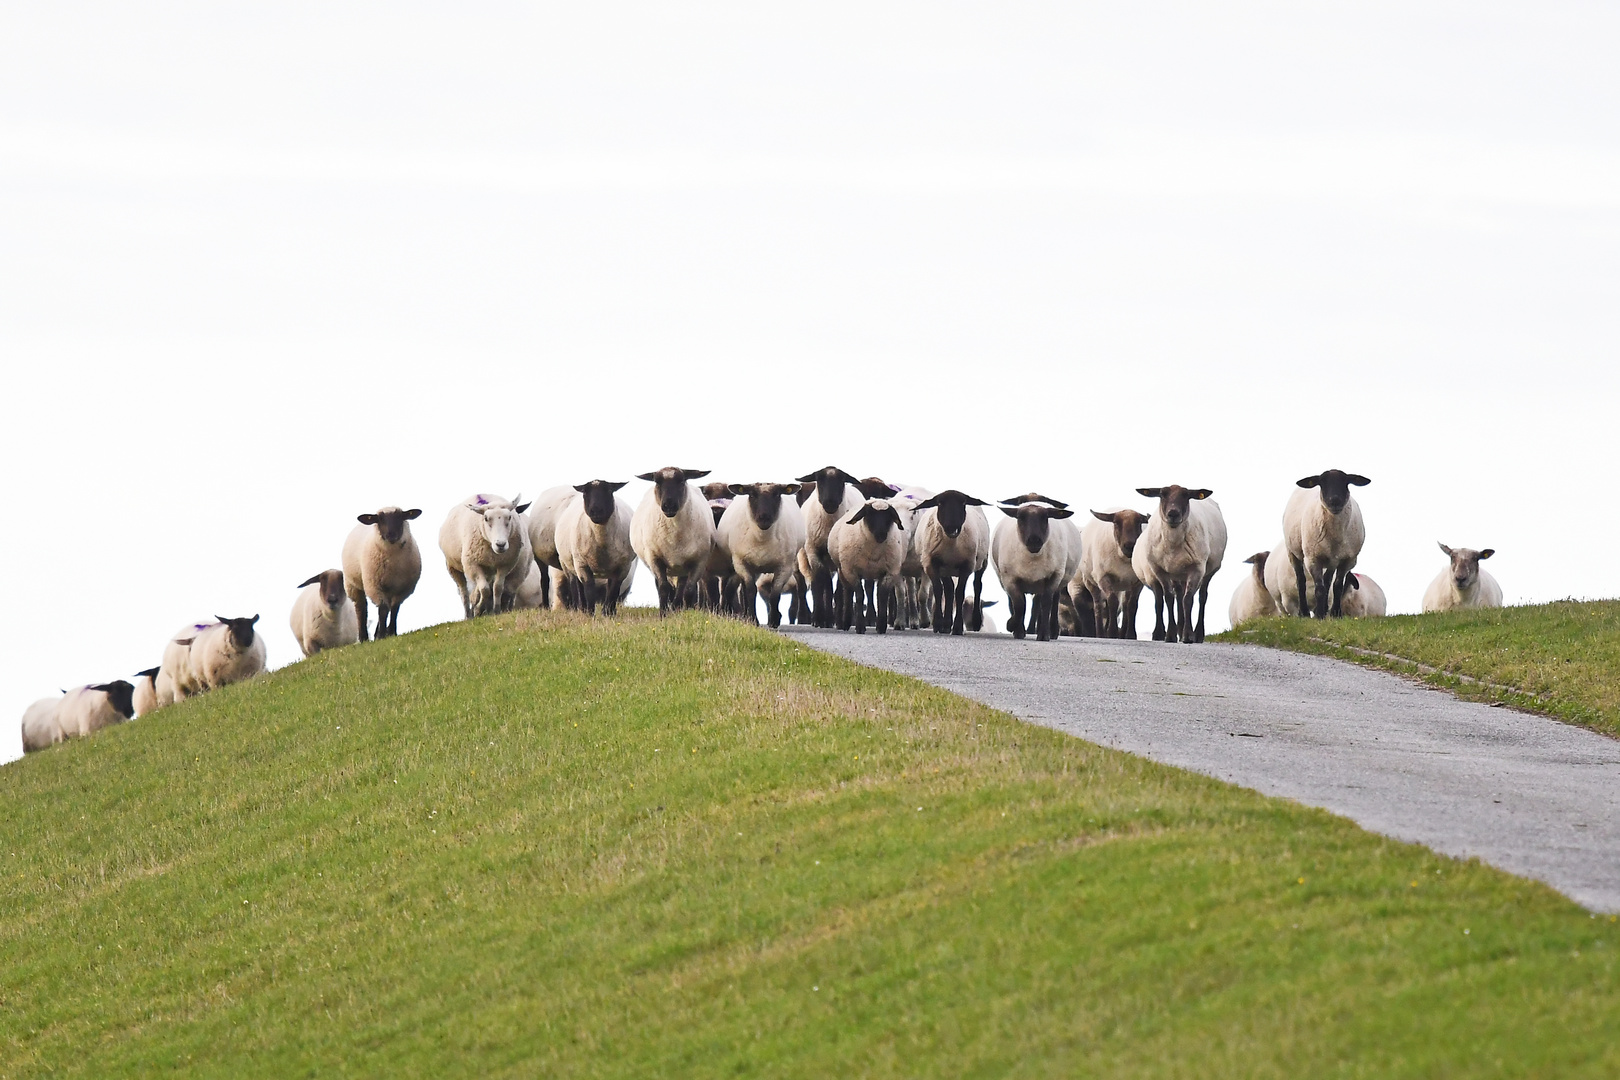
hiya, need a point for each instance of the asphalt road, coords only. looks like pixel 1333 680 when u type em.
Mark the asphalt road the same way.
pixel 1530 795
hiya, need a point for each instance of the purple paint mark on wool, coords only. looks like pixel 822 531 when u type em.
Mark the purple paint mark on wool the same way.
pixel 481 501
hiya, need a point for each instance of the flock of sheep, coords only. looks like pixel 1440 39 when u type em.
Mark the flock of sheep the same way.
pixel 850 553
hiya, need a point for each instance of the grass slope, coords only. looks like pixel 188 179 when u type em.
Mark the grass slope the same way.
pixel 1562 659
pixel 538 846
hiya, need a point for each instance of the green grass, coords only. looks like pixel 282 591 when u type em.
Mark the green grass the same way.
pixel 1562 659
pixel 535 846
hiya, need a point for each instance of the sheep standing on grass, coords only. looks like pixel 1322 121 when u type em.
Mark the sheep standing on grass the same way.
pixel 1031 558
pixel 593 545
pixel 836 496
pixel 482 547
pixel 1251 599
pixel 763 532
pixel 554 592
pixel 722 588
pixel 145 697
pixel 1105 575
pixel 672 532
pixel 1363 597
pixel 382 563
pixel 1323 531
pixel 82 711
pixel 951 540
pixel 207 656
pixel 868 549
pixel 1179 552
pixel 1463 584
pixel 323 616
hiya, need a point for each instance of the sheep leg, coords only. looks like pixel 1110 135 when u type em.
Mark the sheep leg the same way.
pixel 1103 609
pixel 1040 618
pixel 461 587
pixel 1341 580
pixel 750 594
pixel 1322 581
pixel 393 618
pixel 1172 624
pixel 860 607
pixel 1015 611
pixel 822 597
pixel 773 606
pixel 587 588
pixel 1299 582
pixel 1158 613
pixel 382 622
pixel 1054 605
pixel 885 601
pixel 362 615
pixel 976 616
pixel 1203 605
pixel 959 620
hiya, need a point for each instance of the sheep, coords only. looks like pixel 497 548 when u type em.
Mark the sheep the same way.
pixel 868 548
pixel 173 680
pixel 1365 599
pixel 543 543
pixel 1463 584
pixel 951 540
pixel 81 711
pixel 722 588
pixel 763 534
pixel 1251 599
pixel 1178 553
pixel 1030 557
pixel 1105 577
pixel 227 651
pixel 382 563
pixel 672 532
pixel 986 624
pixel 914 593
pixel 836 496
pixel 593 545
pixel 1063 613
pixel 145 697
pixel 482 547
pixel 323 616
pixel 1324 534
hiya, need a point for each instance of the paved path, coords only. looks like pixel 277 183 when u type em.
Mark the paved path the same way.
pixel 1527 794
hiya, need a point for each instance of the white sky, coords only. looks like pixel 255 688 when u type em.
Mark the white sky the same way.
pixel 264 267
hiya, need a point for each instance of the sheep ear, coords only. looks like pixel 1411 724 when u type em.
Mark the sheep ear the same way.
pixel 150 673
pixel 792 489
pixel 971 501
pixel 253 620
pixel 1445 549
pixel 1487 553
pixel 1353 581
pixel 694 474
pixel 1258 558
pixel 184 640
pixel 412 515
pixel 615 487
pixel 807 479
pixel 740 489
pixel 582 487
pixel 647 476
pixel 367 519
pixel 1308 482
pixel 929 504
pixel 894 516
pixel 848 479
pixel 1154 493
pixel 479 510
pixel 1359 481
pixel 1100 516
pixel 858 515
pixel 521 508
pixel 1201 493
pixel 1010 511
pixel 988 603
pixel 311 581
pixel 1055 513
pixel 221 619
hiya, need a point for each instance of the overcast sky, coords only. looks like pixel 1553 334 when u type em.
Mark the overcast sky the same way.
pixel 265 267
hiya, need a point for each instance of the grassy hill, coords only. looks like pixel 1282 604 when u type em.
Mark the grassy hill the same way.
pixel 536 846
pixel 1562 659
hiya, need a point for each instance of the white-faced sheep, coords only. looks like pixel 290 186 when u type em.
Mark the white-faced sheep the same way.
pixel 763 532
pixel 81 711
pixel 951 541
pixel 672 532
pixel 593 544
pixel 1031 558
pixel 145 698
pixel 914 593
pixel 381 563
pixel 1464 583
pixel 1323 531
pixel 1106 578
pixel 1179 552
pixel 868 547
pixel 1251 599
pixel 482 546
pixel 835 497
pixel 323 616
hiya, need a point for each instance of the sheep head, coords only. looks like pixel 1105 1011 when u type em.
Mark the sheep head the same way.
pixel 1465 565
pixel 598 498
pixel 331 583
pixel 1035 523
pixel 765 501
pixel 880 516
pixel 669 486
pixel 390 522
pixel 1128 526
pixel 241 630
pixel 829 483
pixel 950 510
pixel 1175 501
pixel 1334 487
pixel 120 695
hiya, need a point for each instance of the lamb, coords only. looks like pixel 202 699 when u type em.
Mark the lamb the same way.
pixel 82 711
pixel 1106 577
pixel 951 540
pixel 836 496
pixel 1464 584
pixel 868 548
pixel 323 616
pixel 672 532
pixel 764 535
pixel 482 547
pixel 1031 557
pixel 1178 553
pixel 593 544
pixel 382 563
pixel 145 697
pixel 1324 534
pixel 1251 599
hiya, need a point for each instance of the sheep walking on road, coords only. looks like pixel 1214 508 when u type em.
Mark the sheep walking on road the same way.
pixel 1031 559
pixel 951 538
pixel 868 549
pixel 835 497
pixel 1109 582
pixel 1179 552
